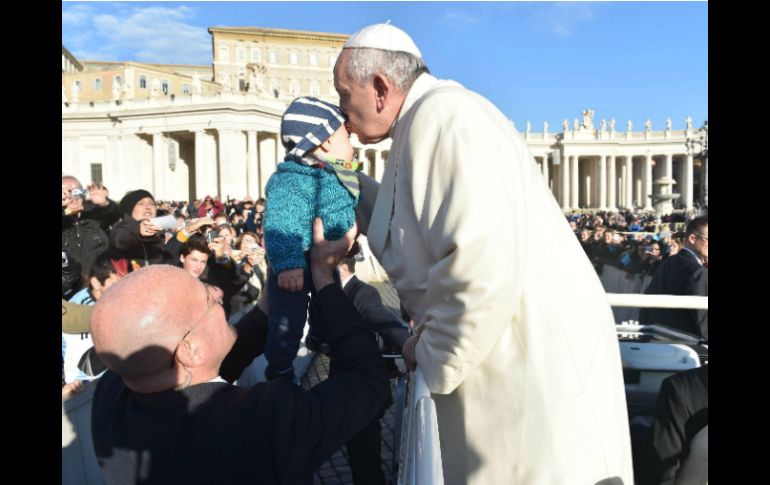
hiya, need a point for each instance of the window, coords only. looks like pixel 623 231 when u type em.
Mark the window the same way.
pixel 241 53
pixel 313 59
pixel 164 86
pixel 241 84
pixel 80 86
pixel 97 84
pixel 332 59
pixel 119 80
pixel 315 89
pixel 275 87
pixel 142 82
pixel 256 54
pixel 96 172
pixel 292 57
pixel 224 54
pixel 186 89
pixel 273 57
pixel 294 87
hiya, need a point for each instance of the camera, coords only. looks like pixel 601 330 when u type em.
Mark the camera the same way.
pixel 79 193
pixel 211 235
pixel 65 262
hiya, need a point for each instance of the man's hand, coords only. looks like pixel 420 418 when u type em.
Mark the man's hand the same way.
pixel 326 255
pixel 408 352
pixel 291 279
pixel 72 388
pixel 193 225
pixel 218 246
pixel 147 228
pixel 256 257
pixel 98 194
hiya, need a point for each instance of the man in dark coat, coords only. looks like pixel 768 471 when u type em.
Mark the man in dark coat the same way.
pixel 683 274
pixel 163 413
pixel 85 223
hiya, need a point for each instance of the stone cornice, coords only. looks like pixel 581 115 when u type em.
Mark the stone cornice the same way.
pixel 72 59
pixel 283 34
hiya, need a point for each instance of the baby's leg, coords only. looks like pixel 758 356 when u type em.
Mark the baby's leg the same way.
pixel 286 319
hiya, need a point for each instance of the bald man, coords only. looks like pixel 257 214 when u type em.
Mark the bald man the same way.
pixel 164 413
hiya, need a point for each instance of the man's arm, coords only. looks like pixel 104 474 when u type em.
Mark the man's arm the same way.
pixel 339 407
pixel 699 286
pixel 379 318
pixel 335 410
pixel 252 335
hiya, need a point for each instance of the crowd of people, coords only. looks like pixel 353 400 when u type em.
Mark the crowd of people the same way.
pixel 164 278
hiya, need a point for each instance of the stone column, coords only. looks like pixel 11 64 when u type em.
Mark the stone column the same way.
pixel 232 164
pixel 252 167
pixel 545 170
pixel 159 161
pixel 602 182
pixel 612 182
pixel 687 183
pixel 574 179
pixel 564 172
pixel 267 159
pixel 629 182
pixel 646 201
pixel 379 165
pixel 201 164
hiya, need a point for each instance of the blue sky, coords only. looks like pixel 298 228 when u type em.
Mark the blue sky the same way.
pixel 537 61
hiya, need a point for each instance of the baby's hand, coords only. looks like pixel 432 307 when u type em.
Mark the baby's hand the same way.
pixel 291 279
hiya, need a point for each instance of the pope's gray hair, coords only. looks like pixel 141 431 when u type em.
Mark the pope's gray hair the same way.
pixel 401 68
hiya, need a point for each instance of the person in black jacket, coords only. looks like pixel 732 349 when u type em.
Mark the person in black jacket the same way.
pixel 364 448
pixel 163 412
pixel 135 237
pixel 85 223
pixel 683 274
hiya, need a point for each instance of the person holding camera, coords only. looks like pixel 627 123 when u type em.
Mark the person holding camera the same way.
pixel 87 215
pixel 135 237
pixel 252 264
pixel 210 207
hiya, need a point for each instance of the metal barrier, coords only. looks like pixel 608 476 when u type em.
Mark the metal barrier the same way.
pixel 420 449
pixel 658 301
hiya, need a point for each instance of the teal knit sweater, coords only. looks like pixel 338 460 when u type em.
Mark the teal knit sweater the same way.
pixel 295 195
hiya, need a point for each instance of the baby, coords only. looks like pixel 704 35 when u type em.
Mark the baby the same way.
pixel 316 179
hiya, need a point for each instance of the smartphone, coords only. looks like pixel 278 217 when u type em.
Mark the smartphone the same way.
pixel 211 235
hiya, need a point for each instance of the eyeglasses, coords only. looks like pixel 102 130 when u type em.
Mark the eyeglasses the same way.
pixel 705 238
pixel 210 303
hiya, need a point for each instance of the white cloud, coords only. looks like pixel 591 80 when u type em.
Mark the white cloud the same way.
pixel 455 18
pixel 563 18
pixel 75 15
pixel 145 34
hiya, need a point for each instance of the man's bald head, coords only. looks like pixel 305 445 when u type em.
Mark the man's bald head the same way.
pixel 138 324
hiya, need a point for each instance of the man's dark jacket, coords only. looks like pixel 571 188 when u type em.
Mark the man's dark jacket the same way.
pixel 680 274
pixel 84 237
pixel 270 433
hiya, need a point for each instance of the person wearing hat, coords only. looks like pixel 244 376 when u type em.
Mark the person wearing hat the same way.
pixel 135 237
pixel 316 179
pixel 514 334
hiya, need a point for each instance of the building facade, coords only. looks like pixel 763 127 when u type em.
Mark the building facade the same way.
pixel 184 131
pixel 276 63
